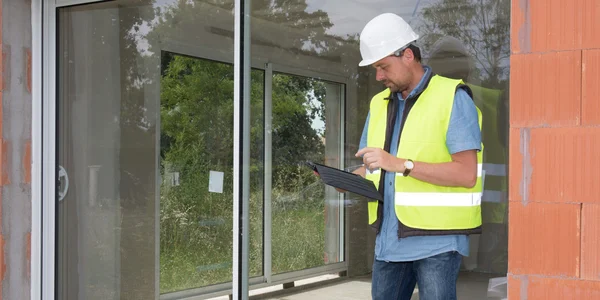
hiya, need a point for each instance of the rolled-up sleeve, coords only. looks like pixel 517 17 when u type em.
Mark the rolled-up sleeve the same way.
pixel 463 131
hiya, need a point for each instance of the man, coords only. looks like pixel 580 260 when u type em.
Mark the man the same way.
pixel 421 146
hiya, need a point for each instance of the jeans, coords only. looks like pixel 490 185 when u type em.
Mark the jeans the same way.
pixel 436 277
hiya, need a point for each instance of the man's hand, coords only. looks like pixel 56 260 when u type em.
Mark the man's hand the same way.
pixel 375 158
pixel 360 171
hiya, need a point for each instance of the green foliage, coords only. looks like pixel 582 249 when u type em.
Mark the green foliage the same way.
pixel 484 28
pixel 294 140
pixel 197 137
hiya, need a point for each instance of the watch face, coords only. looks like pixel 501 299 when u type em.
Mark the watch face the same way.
pixel 409 164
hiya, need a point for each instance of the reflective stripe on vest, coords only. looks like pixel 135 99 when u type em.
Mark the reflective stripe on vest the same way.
pixel 419 204
pixel 438 199
pixel 479 170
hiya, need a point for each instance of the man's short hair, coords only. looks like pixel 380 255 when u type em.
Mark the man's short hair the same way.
pixel 415 50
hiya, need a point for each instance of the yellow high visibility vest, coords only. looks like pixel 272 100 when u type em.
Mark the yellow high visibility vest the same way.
pixel 494 200
pixel 419 204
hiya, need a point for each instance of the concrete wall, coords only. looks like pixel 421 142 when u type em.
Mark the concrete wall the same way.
pixel 554 248
pixel 15 162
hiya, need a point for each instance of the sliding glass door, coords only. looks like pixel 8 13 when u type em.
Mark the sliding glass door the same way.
pixel 139 122
pixel 145 156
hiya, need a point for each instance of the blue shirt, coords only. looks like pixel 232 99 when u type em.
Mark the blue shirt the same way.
pixel 463 134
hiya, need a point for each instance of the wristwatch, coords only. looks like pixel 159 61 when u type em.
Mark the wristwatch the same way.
pixel 408 166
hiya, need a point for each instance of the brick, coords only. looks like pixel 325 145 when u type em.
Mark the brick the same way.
pixel 555 26
pixel 546 25
pixel 27 162
pixel 520 27
pixel 590 89
pixel 590 241
pixel 542 26
pixel 544 239
pixel 590 23
pixel 514 286
pixel 545 89
pixel 565 165
pixel 518 149
pixel 561 288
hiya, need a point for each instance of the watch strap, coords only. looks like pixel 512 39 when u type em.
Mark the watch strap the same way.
pixel 407 170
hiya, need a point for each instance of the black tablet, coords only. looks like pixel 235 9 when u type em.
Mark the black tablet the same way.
pixel 346 181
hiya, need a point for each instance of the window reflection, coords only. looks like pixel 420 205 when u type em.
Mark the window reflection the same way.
pixel 196 215
pixel 306 127
pixel 470 40
pixel 141 128
pixel 465 39
pixel 460 38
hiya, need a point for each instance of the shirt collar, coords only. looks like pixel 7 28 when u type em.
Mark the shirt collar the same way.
pixel 419 88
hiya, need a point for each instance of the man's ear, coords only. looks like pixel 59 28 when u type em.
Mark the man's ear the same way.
pixel 408 54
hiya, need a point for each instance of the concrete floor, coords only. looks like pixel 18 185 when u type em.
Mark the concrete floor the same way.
pixel 471 286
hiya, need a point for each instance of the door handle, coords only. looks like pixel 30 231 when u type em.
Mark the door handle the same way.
pixel 62 173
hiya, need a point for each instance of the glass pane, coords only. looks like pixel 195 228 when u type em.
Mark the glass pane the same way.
pixel 469 39
pixel 140 129
pixel 196 214
pixel 125 177
pixel 479 55
pixel 306 126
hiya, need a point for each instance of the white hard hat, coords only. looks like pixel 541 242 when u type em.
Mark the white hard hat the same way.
pixel 382 36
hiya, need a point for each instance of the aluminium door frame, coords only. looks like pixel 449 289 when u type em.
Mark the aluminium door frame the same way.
pixel 36 148
pixel 47 180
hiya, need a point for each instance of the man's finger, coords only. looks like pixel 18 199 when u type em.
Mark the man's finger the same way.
pixel 362 151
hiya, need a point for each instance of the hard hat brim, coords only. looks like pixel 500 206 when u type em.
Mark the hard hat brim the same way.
pixel 365 63
pixel 368 62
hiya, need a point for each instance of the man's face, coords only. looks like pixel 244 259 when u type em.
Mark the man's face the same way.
pixel 393 72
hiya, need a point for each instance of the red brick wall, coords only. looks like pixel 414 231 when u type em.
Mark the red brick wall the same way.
pixel 554 223
pixel 15 149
